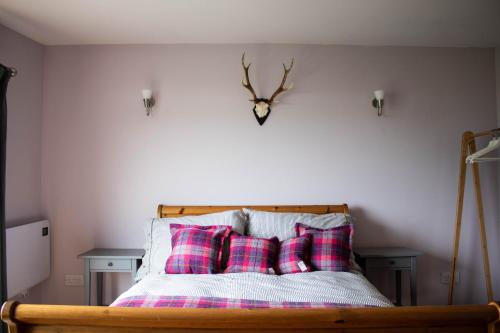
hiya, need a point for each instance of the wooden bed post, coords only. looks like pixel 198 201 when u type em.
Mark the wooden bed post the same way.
pixel 492 326
pixel 469 147
pixel 7 315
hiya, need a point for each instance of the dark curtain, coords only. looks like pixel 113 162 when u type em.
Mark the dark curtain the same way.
pixel 5 75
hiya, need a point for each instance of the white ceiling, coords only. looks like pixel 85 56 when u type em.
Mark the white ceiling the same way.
pixel 359 22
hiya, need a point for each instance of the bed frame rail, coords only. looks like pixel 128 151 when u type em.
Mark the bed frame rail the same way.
pixel 31 318
pixel 174 211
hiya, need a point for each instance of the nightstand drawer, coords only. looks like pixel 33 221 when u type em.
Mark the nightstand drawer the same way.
pixel 396 263
pixel 110 264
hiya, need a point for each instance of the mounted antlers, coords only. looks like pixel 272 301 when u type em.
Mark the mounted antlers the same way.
pixel 281 88
pixel 262 107
pixel 247 85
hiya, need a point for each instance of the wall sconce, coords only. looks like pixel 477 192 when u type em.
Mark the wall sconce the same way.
pixel 147 98
pixel 13 72
pixel 378 101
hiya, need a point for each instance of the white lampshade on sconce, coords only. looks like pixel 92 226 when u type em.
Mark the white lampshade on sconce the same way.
pixel 378 101
pixel 147 98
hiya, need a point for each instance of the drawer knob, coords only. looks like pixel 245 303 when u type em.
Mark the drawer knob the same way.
pixel 391 262
pixel 110 264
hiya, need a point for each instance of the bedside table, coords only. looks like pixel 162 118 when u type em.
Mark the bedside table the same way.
pixel 108 260
pixel 397 259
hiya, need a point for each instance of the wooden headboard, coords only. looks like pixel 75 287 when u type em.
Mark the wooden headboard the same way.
pixel 173 211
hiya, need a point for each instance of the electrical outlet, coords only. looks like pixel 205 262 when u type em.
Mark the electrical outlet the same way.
pixel 445 277
pixel 73 280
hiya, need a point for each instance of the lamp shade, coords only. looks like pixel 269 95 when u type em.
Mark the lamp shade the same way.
pixel 147 93
pixel 379 94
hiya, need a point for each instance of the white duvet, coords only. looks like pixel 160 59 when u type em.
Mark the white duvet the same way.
pixel 328 287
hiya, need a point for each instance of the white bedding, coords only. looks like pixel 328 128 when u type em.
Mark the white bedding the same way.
pixel 328 287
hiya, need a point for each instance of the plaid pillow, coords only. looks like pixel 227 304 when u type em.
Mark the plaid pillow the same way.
pixel 293 255
pixel 251 254
pixel 330 248
pixel 196 249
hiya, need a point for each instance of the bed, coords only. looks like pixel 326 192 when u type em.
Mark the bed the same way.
pixel 248 302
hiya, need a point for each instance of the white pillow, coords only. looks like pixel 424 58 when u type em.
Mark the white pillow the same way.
pixel 158 239
pixel 282 225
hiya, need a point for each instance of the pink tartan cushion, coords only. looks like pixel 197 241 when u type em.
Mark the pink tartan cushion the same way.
pixel 251 254
pixel 330 248
pixel 293 255
pixel 196 249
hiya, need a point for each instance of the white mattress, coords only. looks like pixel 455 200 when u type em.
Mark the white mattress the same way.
pixel 328 287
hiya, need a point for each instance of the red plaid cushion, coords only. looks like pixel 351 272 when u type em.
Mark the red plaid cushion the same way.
pixel 251 254
pixel 330 248
pixel 293 255
pixel 196 249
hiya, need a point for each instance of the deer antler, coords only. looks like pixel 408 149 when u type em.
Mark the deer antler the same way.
pixel 247 85
pixel 281 88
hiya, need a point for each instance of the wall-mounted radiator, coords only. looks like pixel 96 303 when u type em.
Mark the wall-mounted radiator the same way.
pixel 28 256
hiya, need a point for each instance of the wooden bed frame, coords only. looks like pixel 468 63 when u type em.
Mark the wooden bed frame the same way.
pixel 31 318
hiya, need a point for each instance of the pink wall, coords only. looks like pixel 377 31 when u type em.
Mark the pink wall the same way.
pixel 24 125
pixel 105 165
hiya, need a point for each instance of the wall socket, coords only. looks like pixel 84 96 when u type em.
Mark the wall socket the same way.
pixel 445 277
pixel 73 280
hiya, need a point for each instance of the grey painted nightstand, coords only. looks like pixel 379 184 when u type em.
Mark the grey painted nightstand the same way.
pixel 392 258
pixel 108 260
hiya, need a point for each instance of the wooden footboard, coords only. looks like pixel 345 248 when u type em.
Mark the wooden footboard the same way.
pixel 23 318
